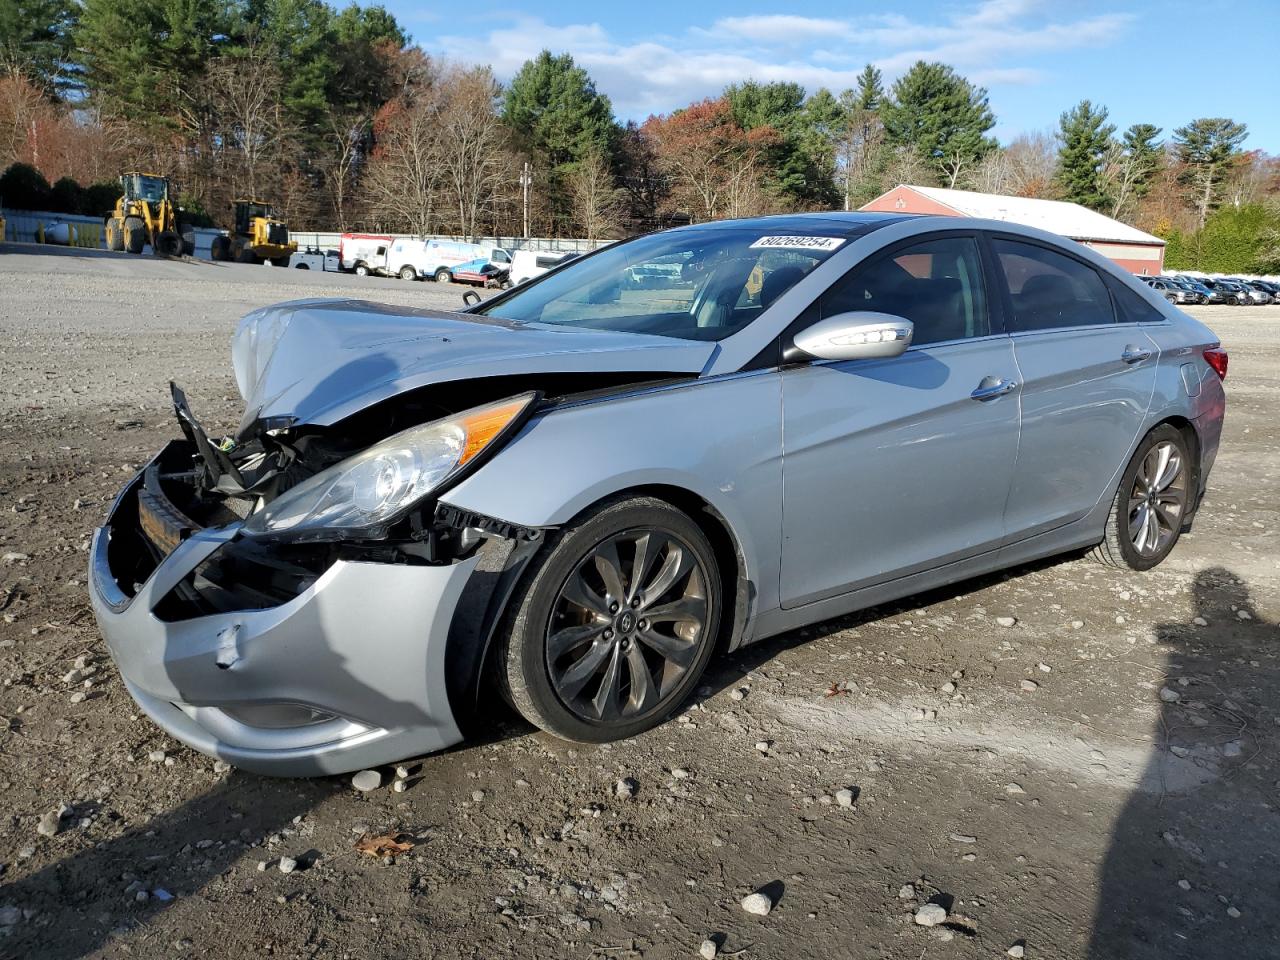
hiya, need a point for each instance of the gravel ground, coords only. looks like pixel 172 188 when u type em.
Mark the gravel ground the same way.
pixel 1098 779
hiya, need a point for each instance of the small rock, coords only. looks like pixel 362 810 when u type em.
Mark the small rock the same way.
pixel 49 824
pixel 737 696
pixel 221 766
pixel 947 688
pixel 625 788
pixel 1184 884
pixel 1029 686
pixel 1006 621
pixel 402 772
pixel 367 780
pixel 1044 668
pixel 763 746
pixel 156 756
pixel 477 796
pixel 708 950
pixel 1169 696
pixel 161 894
pixel 9 916
pixel 1017 950
pixel 930 915
pixel 78 697
pixel 14 557
pixel 679 773
pixel 907 891
pixel 1231 748
pixel 844 798
pixel 263 865
pixel 1077 624
pixel 1233 913
pixel 1244 614
pixel 758 904
pixel 1200 621
pixel 963 838
pixel 288 864
pixel 400 786
pixel 1014 789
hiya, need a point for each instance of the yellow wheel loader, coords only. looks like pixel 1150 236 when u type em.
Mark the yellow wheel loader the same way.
pixel 257 236
pixel 146 213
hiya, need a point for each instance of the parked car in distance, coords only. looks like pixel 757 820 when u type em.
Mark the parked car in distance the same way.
pixel 527 264
pixel 576 492
pixel 1232 293
pixel 1206 295
pixel 481 273
pixel 411 259
pixel 364 253
pixel 313 259
pixel 1259 295
pixel 1172 290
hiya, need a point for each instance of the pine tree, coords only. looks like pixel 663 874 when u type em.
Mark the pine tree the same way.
pixel 941 117
pixel 870 91
pixel 35 40
pixel 1086 137
pixel 1207 147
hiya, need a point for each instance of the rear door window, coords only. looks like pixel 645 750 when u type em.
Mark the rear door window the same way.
pixel 1050 290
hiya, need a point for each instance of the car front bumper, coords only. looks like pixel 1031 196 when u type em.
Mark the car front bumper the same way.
pixel 348 674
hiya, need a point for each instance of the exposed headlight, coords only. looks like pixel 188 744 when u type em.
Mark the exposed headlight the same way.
pixel 364 493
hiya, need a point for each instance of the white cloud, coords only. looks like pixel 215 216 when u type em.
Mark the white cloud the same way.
pixel 994 43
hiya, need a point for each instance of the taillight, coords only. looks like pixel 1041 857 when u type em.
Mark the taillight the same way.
pixel 1216 357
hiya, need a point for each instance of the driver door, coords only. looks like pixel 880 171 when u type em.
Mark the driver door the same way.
pixel 894 466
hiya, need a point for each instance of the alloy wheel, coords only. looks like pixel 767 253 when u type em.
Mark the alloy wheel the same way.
pixel 1158 500
pixel 627 625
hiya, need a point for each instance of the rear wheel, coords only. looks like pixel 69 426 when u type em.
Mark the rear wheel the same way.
pixel 1152 504
pixel 408 273
pixel 361 270
pixel 614 628
pixel 135 234
pixel 246 255
pixel 220 248
pixel 280 261
pixel 115 234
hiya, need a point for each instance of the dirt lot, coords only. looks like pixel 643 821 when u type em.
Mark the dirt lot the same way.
pixel 1085 817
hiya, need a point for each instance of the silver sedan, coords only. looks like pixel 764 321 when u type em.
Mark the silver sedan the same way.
pixel 580 490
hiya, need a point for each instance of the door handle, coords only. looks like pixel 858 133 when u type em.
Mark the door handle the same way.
pixel 1134 354
pixel 992 387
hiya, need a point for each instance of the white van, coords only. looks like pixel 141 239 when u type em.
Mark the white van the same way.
pixel 411 259
pixel 527 264
pixel 364 253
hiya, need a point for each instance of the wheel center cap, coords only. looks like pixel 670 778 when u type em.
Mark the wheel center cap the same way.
pixel 626 622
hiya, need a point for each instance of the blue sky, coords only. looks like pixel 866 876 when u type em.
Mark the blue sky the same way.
pixel 1158 61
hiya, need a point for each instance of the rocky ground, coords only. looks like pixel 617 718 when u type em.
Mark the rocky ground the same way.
pixel 1060 762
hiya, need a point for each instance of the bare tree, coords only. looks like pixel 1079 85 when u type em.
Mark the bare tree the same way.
pixel 404 181
pixel 594 195
pixel 347 135
pixel 858 151
pixel 246 92
pixel 471 143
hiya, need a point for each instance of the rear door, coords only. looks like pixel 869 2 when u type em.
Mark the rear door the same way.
pixel 894 466
pixel 1088 373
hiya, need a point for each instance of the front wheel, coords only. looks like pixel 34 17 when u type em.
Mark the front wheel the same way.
pixel 361 270
pixel 408 273
pixel 615 626
pixel 1152 504
pixel 443 275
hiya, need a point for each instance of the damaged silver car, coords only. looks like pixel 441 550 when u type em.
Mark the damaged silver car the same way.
pixel 576 492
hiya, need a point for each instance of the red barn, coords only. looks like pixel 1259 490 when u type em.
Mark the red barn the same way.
pixel 1128 246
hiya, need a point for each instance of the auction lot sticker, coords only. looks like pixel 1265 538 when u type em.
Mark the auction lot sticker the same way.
pixel 799 243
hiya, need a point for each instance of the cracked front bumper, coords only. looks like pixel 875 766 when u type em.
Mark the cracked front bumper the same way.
pixel 348 674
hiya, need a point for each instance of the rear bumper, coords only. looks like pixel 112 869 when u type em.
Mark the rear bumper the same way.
pixel 348 674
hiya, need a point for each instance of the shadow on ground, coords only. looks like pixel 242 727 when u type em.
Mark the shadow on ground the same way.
pixel 1191 867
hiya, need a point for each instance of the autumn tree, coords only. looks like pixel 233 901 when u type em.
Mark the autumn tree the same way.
pixel 707 156
pixel 595 196
pixel 1128 167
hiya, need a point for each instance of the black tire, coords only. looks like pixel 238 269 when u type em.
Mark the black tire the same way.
pixel 280 261
pixel 622 635
pixel 168 245
pixel 1118 547
pixel 220 248
pixel 115 235
pixel 246 255
pixel 135 234
pixel 443 275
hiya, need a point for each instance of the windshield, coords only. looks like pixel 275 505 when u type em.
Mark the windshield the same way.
pixel 151 189
pixel 702 284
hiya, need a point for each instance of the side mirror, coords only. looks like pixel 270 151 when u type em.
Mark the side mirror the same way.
pixel 859 335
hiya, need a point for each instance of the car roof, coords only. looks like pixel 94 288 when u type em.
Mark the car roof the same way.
pixel 851 223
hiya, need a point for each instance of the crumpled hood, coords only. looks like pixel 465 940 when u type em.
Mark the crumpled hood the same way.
pixel 318 361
